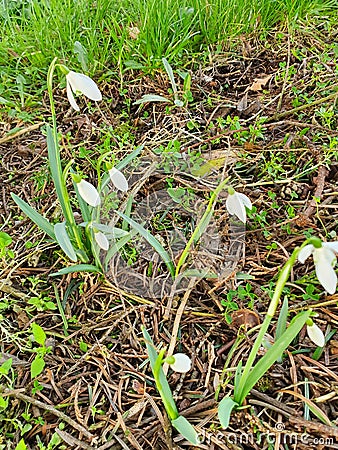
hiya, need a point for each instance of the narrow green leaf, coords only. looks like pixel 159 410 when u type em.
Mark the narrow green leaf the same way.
pixel 238 375
pixel 152 241
pixel 225 407
pixel 37 218
pixel 38 333
pixel 170 73
pixel 184 427
pixel 147 98
pixel 129 158
pixel 76 268
pixel 37 366
pixel 64 241
pixel 117 247
pixel 274 353
pixel 127 212
pixel 82 55
pixel 55 168
pixel 110 232
pixel 282 319
pixel 59 181
pixel 152 353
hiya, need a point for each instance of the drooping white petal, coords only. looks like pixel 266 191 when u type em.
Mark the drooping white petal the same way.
pixel 244 200
pixel 118 179
pixel 182 363
pixel 84 84
pixel 305 253
pixel 235 206
pixel 71 98
pixel 331 245
pixel 324 270
pixel 101 240
pixel 316 335
pixel 89 193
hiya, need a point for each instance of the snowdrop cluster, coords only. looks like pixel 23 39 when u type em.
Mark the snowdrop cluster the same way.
pixel 90 195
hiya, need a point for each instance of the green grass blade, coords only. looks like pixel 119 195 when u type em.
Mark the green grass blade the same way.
pixel 148 98
pixel 152 241
pixel 127 212
pixel 274 352
pixel 64 241
pixel 77 268
pixel 36 217
pixel 117 247
pixel 282 319
pixel 129 158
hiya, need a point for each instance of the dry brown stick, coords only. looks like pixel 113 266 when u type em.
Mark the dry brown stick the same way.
pixel 316 427
pixel 20 132
pixel 17 394
pixel 177 321
pixel 284 409
pixel 320 182
pixel 302 107
pixel 72 441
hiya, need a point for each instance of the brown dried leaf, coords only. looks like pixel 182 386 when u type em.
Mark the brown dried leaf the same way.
pixel 133 32
pixel 244 317
pixel 258 84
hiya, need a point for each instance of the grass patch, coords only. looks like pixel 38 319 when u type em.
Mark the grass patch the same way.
pixel 110 36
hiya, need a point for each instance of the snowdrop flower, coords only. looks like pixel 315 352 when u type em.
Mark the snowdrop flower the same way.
pixel 315 333
pixel 118 179
pixel 236 204
pixel 324 257
pixel 101 240
pixel 87 191
pixel 78 82
pixel 180 362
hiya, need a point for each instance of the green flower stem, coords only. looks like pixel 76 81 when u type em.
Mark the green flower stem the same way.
pixel 283 277
pixel 202 225
pixel 172 413
pixel 58 173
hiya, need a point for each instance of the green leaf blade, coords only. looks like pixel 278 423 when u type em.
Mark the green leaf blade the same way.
pixel 63 240
pixel 273 353
pixel 184 427
pixel 36 217
pixel 152 353
pixel 225 407
pixel 152 241
pixel 77 268
pixel 148 98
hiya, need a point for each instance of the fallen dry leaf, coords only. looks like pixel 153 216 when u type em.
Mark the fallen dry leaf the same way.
pixel 258 84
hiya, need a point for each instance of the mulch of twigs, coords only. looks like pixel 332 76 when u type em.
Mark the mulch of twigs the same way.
pixel 104 396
